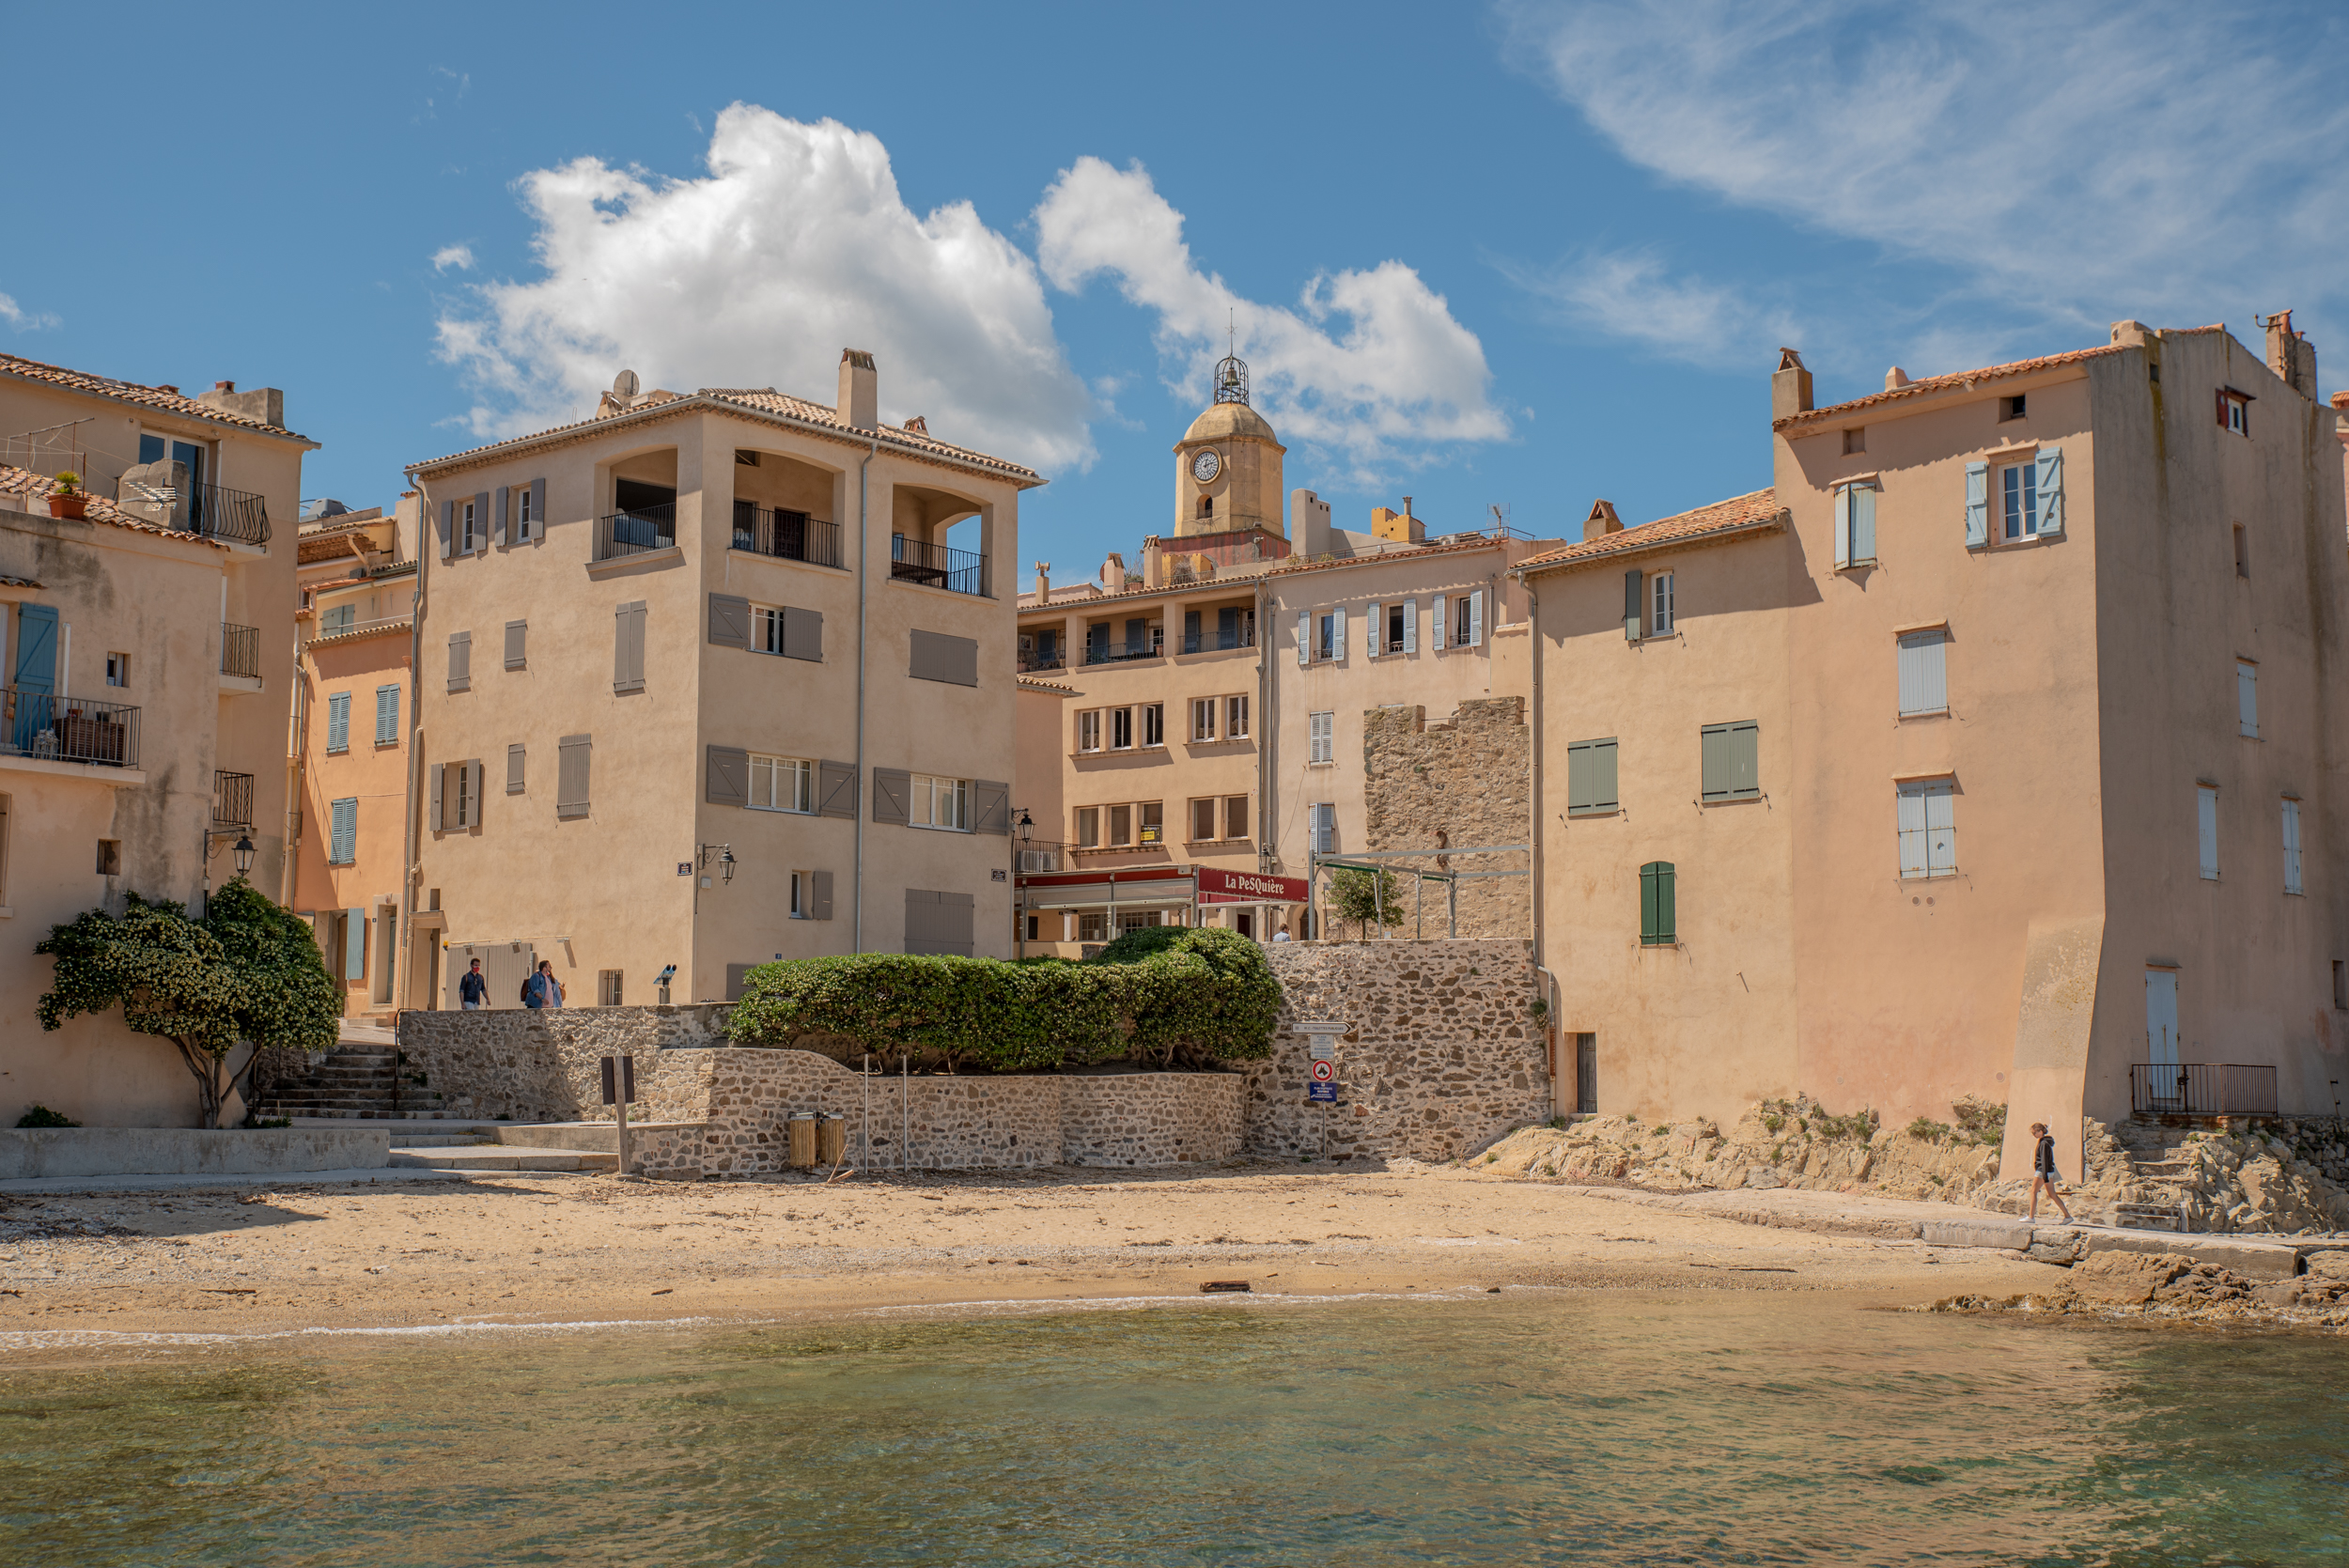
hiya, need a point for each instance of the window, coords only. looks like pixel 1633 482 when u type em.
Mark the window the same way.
pixel 2246 697
pixel 1591 777
pixel 1202 820
pixel 2019 485
pixel 1235 718
pixel 766 622
pixel 1924 672
pixel 342 843
pixel 1092 925
pixel 468 528
pixel 1928 827
pixel 1467 621
pixel 2235 411
pixel 782 783
pixel 1236 816
pixel 1855 439
pixel 1203 716
pixel 2011 408
pixel 1153 724
pixel 1659 905
pixel 118 669
pixel 2292 844
pixel 109 856
pixel 1731 761
pixel 1088 826
pixel 459 794
pixel 1153 821
pixel 608 987
pixel 1854 525
pixel 338 619
pixel 1396 618
pixel 1121 825
pixel 1660 604
pixel 525 512
pixel 1319 727
pixel 338 722
pixel 2242 552
pixel 1089 730
pixel 387 715
pixel 1323 820
pixel 1121 729
pixel 943 803
pixel 1329 638
pixel 1206 505
pixel 2206 828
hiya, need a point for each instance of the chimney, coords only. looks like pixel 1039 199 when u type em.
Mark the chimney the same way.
pixel 917 426
pixel 2291 355
pixel 1895 378
pixel 1113 572
pixel 1309 515
pixel 1602 522
pixel 1790 389
pixel 266 405
pixel 1153 563
pixel 860 396
pixel 1044 582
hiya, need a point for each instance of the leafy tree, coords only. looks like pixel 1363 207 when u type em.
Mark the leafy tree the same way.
pixel 1364 895
pixel 248 972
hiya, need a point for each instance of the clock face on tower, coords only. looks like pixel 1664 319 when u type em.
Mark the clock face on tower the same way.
pixel 1205 465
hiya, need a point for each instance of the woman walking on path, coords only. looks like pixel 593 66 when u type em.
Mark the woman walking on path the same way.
pixel 2043 1170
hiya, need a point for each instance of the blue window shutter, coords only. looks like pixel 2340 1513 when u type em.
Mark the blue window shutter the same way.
pixel 2050 490
pixel 343 832
pixel 1843 528
pixel 1977 506
pixel 386 715
pixel 338 722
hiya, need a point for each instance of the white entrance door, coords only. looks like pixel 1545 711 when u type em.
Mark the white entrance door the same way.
pixel 2161 1017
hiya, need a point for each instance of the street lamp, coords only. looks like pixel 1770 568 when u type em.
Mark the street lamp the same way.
pixel 242 849
pixel 725 858
pixel 1027 826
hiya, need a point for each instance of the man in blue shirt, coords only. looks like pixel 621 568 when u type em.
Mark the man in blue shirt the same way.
pixel 473 990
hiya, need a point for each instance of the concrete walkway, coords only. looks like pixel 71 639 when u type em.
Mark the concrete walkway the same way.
pixel 26 1185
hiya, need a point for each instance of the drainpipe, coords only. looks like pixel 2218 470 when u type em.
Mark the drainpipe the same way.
pixel 863 500
pixel 402 963
pixel 1552 992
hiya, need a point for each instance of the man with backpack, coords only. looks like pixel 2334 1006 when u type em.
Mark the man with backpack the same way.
pixel 542 989
pixel 473 991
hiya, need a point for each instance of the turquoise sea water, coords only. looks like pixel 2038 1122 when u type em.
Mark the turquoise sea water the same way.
pixel 1528 1428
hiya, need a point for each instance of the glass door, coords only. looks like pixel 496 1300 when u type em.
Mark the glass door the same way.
pixel 188 511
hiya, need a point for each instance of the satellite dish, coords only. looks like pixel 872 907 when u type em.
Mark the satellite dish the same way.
pixel 624 384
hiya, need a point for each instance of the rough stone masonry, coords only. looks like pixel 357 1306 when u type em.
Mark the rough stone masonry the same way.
pixel 1462 781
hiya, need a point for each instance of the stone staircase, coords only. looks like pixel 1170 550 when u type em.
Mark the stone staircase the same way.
pixel 477 1146
pixel 358 1078
pixel 2161 1175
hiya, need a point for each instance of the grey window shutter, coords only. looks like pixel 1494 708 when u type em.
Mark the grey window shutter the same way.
pixel 819 895
pixel 939 922
pixel 1603 785
pixel 570 786
pixel 892 789
pixel 516 651
pixel 991 807
pixel 499 537
pixel 439 817
pixel 481 520
pixel 538 509
pixel 514 759
pixel 1745 759
pixel 354 944
pixel 1714 742
pixel 1411 626
pixel 1137 635
pixel 804 635
pixel 730 621
pixel 1477 619
pixel 1863 523
pixel 730 773
pixel 448 523
pixel 836 795
pixel 1632 608
pixel 2050 491
pixel 1842 527
pixel 476 776
pixel 459 660
pixel 628 647
pixel 1337 633
pixel 1579 775
pixel 952 660
pixel 1977 506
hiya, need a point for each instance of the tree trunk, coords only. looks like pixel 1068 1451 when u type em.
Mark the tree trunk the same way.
pixel 205 1067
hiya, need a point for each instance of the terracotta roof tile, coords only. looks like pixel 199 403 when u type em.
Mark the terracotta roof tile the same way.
pixel 1034 685
pixel 17 583
pixel 131 391
pixel 1959 379
pixel 38 488
pixel 1754 512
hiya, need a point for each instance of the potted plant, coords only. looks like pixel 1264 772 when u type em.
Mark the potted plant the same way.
pixel 68 500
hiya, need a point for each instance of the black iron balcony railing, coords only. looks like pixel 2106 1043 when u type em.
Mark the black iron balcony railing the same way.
pixel 1209 642
pixel 1030 663
pixel 2201 1089
pixel 636 531
pixel 1117 653
pixel 959 571
pixel 214 511
pixel 240 650
pixel 784 535
pixel 68 729
pixel 232 800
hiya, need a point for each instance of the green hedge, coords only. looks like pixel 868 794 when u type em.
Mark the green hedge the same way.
pixel 1165 994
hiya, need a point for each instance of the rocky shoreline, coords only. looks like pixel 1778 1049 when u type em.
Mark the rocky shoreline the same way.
pixel 2168 1287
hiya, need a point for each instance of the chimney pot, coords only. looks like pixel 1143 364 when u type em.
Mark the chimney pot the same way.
pixel 1790 388
pixel 1894 378
pixel 224 386
pixel 1602 521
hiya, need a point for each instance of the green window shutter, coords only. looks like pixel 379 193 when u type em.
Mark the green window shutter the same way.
pixel 1658 913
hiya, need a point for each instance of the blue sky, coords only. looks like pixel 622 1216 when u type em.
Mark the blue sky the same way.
pixel 1528 255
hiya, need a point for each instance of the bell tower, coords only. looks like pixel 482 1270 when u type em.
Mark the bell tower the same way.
pixel 1227 466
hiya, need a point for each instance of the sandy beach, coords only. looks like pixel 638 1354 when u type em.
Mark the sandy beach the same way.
pixel 83 1268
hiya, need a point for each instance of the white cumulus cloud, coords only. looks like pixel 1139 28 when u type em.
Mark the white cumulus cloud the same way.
pixel 458 257
pixel 25 321
pixel 794 245
pixel 1368 363
pixel 1633 294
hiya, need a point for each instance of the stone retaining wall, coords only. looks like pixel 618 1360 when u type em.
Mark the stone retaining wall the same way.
pixel 547 1064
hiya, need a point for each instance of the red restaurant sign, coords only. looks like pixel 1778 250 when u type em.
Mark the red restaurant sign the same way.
pixel 1249 887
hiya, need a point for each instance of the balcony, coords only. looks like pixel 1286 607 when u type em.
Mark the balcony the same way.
pixel 958 571
pixel 785 535
pixel 240 650
pixel 214 511
pixel 2201 1089
pixel 637 531
pixel 1032 663
pixel 47 727
pixel 1119 653
pixel 1210 642
pixel 232 801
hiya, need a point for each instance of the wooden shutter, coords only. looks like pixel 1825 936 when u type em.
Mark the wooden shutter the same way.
pixel 1745 759
pixel 354 944
pixel 1227 628
pixel 338 722
pixel 836 789
pixel 819 895
pixel 1634 607
pixel 892 787
pixel 1579 775
pixel 517 647
pixel 2206 825
pixel 343 831
pixel 481 522
pixel 1863 522
pixel 1411 626
pixel 2247 698
pixel 1477 619
pixel 439 813
pixel 955 661
pixel 1714 761
pixel 1842 527
pixel 730 621
pixel 1941 829
pixel 1374 629
pixel 2050 491
pixel 573 754
pixel 1660 923
pixel 1603 790
pixel 499 536
pixel 1437 624
pixel 803 638
pixel 628 647
pixel 2292 844
pixel 729 776
pixel 1977 506
pixel 1924 672
pixel 1305 638
pixel 1911 826
pixel 514 760
pixel 448 524
pixel 460 661
pixel 991 807
pixel 538 509
pixel 475 777
pixel 1337 634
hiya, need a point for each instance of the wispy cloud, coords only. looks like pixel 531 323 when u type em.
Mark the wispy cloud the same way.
pixel 1634 295
pixel 458 257
pixel 25 320
pixel 1370 365
pixel 795 244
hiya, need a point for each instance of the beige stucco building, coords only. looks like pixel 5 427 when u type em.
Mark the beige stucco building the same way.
pixel 149 649
pixel 1994 749
pixel 730 623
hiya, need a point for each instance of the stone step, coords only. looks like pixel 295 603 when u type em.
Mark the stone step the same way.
pixel 437 1141
pixel 507 1157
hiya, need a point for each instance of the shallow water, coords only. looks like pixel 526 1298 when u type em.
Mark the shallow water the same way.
pixel 1531 1428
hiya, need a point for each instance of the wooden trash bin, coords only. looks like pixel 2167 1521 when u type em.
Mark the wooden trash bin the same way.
pixel 801 1126
pixel 832 1138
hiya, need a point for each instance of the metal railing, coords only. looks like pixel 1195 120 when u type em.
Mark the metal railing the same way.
pixel 636 531
pixel 784 535
pixel 1119 653
pixel 2201 1089
pixel 1213 642
pixel 240 650
pixel 232 800
pixel 1030 663
pixel 68 729
pixel 214 511
pixel 959 572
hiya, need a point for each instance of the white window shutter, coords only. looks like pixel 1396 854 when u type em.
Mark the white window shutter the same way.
pixel 2206 826
pixel 2292 846
pixel 1912 831
pixel 1843 528
pixel 440 809
pixel 1374 629
pixel 1337 634
pixel 1476 620
pixel 2247 698
pixel 1442 627
pixel 1977 506
pixel 2050 491
pixel 1863 523
pixel 1411 626
pixel 1304 637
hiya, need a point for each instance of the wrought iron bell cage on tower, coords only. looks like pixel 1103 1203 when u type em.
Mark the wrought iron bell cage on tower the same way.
pixel 1231 379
